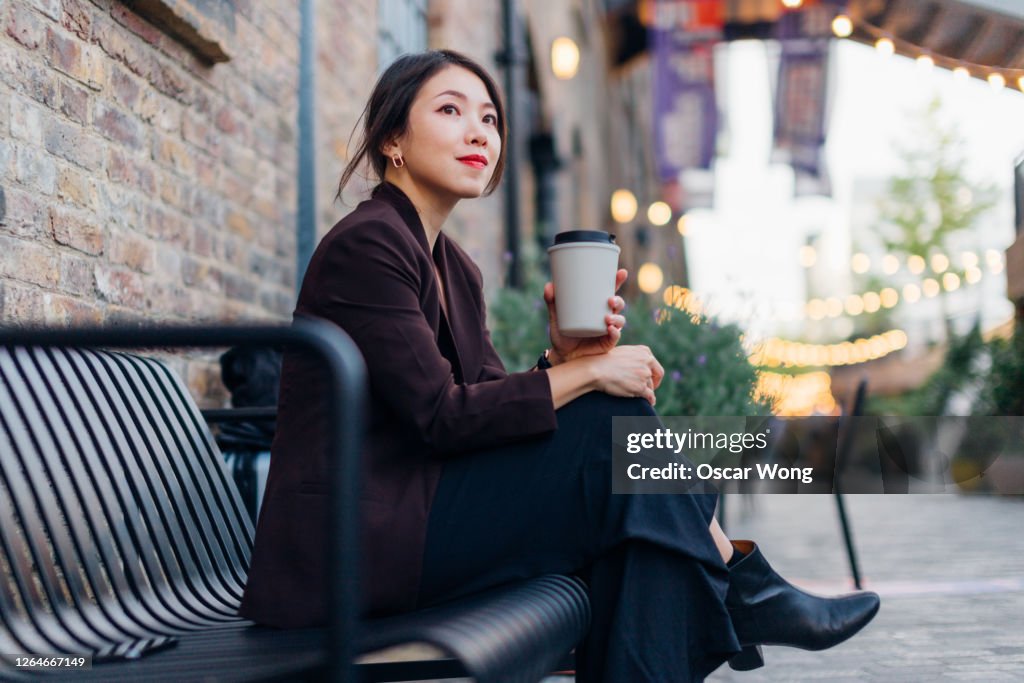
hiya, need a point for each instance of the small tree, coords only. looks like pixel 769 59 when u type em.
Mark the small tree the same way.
pixel 932 200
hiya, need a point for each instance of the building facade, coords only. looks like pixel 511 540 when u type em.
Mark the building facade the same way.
pixel 151 157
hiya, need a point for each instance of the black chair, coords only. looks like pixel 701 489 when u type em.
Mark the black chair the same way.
pixel 845 443
pixel 124 539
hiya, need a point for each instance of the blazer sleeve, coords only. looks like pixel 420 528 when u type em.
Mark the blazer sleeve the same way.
pixel 492 366
pixel 369 284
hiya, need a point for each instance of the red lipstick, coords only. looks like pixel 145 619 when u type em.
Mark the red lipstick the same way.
pixel 474 160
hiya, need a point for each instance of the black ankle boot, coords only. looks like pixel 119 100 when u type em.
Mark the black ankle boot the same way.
pixel 767 610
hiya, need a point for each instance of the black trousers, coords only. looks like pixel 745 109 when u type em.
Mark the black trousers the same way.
pixel 656 581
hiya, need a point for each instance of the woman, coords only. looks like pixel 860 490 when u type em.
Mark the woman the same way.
pixel 475 477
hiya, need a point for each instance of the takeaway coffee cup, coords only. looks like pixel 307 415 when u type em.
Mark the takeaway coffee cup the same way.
pixel 583 265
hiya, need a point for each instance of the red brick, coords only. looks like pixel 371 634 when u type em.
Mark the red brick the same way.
pixel 226 120
pixel 75 187
pixel 175 191
pixel 134 251
pixel 20 304
pixel 69 142
pixel 28 262
pixel 116 125
pixel 25 214
pixel 112 39
pixel 24 26
pixel 137 25
pixel 124 87
pixel 36 169
pixel 77 18
pixel 74 102
pixel 169 80
pixel 76 232
pixel 65 53
pixel 170 153
pixel 119 286
pixel 76 275
pixel 239 224
pixel 64 311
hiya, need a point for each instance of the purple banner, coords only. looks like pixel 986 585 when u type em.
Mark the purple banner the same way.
pixel 801 96
pixel 685 111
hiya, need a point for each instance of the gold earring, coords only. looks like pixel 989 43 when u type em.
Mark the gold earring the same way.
pixel 398 161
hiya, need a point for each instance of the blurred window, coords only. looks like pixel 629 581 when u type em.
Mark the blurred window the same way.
pixel 402 28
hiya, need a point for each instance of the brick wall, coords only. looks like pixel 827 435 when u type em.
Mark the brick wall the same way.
pixel 139 181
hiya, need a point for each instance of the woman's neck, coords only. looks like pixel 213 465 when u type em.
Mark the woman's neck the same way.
pixel 432 209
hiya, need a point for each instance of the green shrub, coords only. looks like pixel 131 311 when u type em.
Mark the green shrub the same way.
pixel 706 367
pixel 1003 389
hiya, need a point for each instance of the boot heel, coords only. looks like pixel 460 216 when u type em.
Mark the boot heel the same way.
pixel 748 658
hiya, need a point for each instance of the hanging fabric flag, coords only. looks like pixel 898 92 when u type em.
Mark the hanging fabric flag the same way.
pixel 801 96
pixel 683 34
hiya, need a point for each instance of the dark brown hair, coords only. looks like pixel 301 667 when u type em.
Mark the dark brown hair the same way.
pixel 386 115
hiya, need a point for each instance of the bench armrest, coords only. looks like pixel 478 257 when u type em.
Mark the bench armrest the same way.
pixel 347 373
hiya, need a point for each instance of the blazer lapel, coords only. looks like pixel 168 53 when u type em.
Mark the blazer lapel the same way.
pixel 455 287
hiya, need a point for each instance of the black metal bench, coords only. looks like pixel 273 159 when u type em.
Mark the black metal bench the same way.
pixel 122 537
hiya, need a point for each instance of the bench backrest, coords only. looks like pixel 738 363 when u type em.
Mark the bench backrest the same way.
pixel 119 526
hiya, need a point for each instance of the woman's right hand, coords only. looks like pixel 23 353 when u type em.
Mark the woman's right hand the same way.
pixel 627 371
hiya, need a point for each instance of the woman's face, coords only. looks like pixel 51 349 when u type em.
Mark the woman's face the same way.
pixel 451 144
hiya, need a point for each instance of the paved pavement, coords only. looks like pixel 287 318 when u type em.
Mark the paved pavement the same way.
pixel 949 569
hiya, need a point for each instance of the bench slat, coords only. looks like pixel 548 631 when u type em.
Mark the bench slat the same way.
pixel 122 534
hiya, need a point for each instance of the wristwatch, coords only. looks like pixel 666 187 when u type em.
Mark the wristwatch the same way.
pixel 543 363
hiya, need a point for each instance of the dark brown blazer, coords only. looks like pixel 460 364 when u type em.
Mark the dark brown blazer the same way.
pixel 437 389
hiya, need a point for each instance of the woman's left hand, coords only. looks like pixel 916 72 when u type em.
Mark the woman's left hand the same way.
pixel 566 348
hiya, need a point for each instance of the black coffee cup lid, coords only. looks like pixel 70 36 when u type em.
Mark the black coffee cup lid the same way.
pixel 584 236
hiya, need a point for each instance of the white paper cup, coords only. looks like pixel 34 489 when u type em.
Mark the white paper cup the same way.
pixel 583 266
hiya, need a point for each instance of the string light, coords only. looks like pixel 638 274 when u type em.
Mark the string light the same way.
pixel 650 277
pixel 860 263
pixel 659 213
pixel 816 309
pixel 565 58
pixel 842 26
pixel 623 206
pixel 775 352
pixel 961 70
pixel 681 225
pixel 889 296
pixel 833 307
pixel 890 264
pixel 793 395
